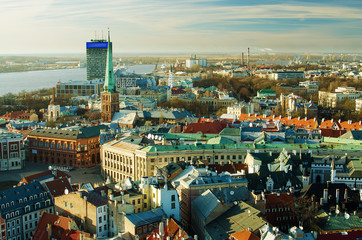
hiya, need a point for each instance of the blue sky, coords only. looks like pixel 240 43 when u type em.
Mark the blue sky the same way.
pixel 187 26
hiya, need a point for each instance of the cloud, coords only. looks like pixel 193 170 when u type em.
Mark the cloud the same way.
pixel 138 25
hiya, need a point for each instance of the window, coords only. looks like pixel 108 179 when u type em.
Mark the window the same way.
pixel 100 228
pixel 13 147
pixel 100 219
pixel 173 198
pixel 65 204
pixel 71 205
pixel 104 218
pixel 139 201
pixel 35 143
pixel 133 202
pixel 145 205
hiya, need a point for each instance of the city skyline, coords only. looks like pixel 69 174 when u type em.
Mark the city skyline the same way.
pixel 198 26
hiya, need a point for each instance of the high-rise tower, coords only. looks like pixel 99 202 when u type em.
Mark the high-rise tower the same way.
pixel 109 95
pixel 96 58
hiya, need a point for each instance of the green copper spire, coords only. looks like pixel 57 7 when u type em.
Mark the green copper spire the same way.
pixel 109 82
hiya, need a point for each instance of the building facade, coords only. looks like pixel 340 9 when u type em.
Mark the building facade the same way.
pixel 88 209
pixel 331 99
pixel 96 59
pixel 20 209
pixel 12 152
pixel 76 148
pixel 79 88
pixel 121 160
pixel 161 195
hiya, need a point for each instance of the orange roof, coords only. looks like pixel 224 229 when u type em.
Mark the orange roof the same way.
pixel 329 124
pixel 57 227
pixel 349 125
pixel 28 179
pixel 244 235
pixel 172 228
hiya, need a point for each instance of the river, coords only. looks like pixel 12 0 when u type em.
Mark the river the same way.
pixel 16 82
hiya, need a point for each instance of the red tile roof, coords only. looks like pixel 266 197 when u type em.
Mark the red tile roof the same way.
pixel 172 228
pixel 12 115
pixel 332 132
pixel 230 168
pixel 244 235
pixel 213 127
pixel 57 187
pixel 277 207
pixel 351 235
pixel 57 227
pixel 28 179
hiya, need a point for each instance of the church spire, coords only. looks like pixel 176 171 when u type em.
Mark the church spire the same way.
pixel 109 81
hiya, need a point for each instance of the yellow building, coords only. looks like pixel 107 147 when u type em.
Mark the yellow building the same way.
pixel 121 160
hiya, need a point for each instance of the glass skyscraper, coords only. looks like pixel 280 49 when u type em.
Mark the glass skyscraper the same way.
pixel 96 59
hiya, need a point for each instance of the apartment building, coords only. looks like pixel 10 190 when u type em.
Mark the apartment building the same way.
pixel 12 152
pixel 87 208
pixel 121 160
pixel 331 99
pixel 20 210
pixel 78 147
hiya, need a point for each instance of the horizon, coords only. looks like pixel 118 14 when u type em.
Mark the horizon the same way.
pixel 188 27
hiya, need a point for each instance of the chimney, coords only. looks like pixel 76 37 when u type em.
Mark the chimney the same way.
pixel 325 195
pixel 49 230
pixel 161 229
pixel 337 196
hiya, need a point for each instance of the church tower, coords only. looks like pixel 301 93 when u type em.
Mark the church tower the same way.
pixel 109 95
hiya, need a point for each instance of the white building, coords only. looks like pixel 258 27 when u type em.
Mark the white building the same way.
pixel 241 107
pixel 331 99
pixel 195 61
pixel 359 105
pixel 102 221
pixel 53 112
pixel 161 196
pixel 12 152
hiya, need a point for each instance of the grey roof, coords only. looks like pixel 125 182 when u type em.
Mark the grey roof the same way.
pixel 86 132
pixel 205 204
pixel 147 217
pixel 237 218
pixel 12 196
pixel 95 199
pixel 356 135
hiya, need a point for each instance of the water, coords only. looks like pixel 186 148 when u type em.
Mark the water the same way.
pixel 141 68
pixel 16 82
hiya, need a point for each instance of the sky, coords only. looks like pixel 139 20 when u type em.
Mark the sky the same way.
pixel 181 26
